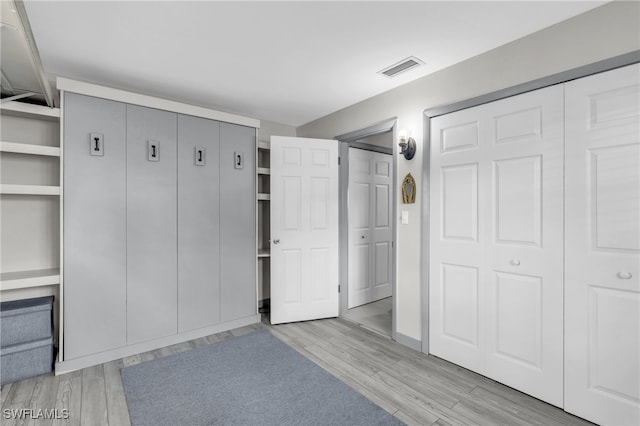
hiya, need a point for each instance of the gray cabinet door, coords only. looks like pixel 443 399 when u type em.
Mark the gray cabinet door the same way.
pixel 94 225
pixel 198 222
pixel 151 223
pixel 237 222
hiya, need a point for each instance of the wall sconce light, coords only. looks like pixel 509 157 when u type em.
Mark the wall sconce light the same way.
pixel 407 145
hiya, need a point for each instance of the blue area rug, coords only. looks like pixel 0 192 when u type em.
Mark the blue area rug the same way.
pixel 254 379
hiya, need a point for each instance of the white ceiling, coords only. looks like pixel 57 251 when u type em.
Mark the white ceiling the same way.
pixel 288 62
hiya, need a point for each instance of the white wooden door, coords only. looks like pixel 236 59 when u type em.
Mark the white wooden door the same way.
pixel 304 229
pixel 496 277
pixel 602 287
pixel 369 226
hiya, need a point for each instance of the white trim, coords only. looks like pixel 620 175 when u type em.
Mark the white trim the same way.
pixel 27 279
pixel 27 148
pixel 65 84
pixel 29 189
pixel 60 329
pixel 125 351
pixel 22 109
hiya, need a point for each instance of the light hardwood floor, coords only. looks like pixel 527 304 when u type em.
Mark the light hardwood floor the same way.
pixel 375 316
pixel 416 388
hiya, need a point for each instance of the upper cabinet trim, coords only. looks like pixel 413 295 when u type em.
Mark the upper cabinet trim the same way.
pixel 89 89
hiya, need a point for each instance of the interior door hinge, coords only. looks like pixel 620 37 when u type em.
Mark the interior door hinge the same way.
pixel 338 288
pixel 338 161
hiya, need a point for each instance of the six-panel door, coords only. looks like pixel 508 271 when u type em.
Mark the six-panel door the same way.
pixel 369 226
pixel 496 272
pixel 304 229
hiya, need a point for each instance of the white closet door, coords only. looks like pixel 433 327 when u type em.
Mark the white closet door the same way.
pixel 369 226
pixel 457 252
pixel 524 242
pixel 602 288
pixel 496 241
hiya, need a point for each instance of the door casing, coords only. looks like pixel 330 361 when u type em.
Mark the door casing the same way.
pixel 351 140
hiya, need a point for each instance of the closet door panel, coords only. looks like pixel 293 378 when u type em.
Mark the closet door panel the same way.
pixel 151 224
pixel 94 226
pixel 237 222
pixel 381 225
pixel 525 242
pixel 198 223
pixel 457 255
pixel 602 305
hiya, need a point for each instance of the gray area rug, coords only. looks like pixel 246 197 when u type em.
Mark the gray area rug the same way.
pixel 254 379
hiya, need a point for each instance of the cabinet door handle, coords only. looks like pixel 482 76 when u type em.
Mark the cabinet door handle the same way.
pixel 97 146
pixel 624 275
pixel 515 262
pixel 200 155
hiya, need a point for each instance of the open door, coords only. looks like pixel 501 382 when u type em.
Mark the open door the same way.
pixel 304 229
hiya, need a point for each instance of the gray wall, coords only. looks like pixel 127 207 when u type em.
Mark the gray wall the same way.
pixel 601 33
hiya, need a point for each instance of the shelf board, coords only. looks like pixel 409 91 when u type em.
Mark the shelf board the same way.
pixel 264 145
pixel 23 109
pixel 264 197
pixel 25 148
pixel 27 279
pixel 264 253
pixel 29 189
pixel 264 171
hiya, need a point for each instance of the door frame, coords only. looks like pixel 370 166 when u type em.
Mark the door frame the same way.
pixel 350 140
pixel 559 78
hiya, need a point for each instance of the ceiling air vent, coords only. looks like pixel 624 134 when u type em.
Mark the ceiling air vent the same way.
pixel 402 66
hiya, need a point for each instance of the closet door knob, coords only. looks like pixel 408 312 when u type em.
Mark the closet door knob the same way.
pixel 276 241
pixel 624 275
pixel 515 262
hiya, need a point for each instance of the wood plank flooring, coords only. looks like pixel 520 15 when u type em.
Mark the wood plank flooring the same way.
pixel 416 388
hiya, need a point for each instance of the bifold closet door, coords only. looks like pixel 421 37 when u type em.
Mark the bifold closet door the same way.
pixel 369 226
pixel 237 222
pixel 94 225
pixel 496 271
pixel 198 222
pixel 602 287
pixel 151 223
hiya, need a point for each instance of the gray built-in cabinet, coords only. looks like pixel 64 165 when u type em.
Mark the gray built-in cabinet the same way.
pixel 159 224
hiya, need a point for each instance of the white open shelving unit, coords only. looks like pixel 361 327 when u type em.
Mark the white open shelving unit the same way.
pixel 263 172
pixel 30 203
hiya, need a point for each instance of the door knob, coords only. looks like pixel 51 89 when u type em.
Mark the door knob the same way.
pixel 515 262
pixel 362 237
pixel 276 241
pixel 624 275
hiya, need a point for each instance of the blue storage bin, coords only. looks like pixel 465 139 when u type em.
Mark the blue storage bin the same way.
pixel 26 320
pixel 26 360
